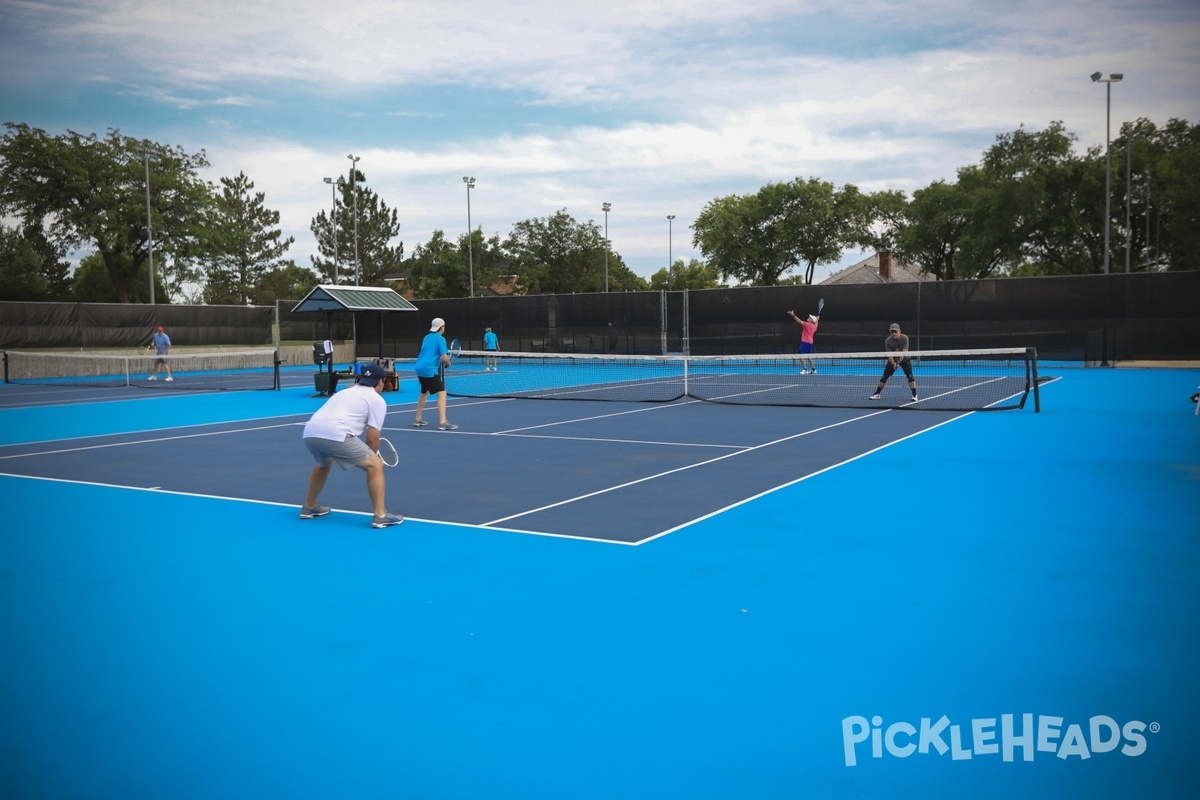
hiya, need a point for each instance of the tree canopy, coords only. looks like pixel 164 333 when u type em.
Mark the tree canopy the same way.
pixel 1032 205
pixel 91 190
pixel 756 238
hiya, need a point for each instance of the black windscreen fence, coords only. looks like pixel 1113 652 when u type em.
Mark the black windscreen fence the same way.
pixel 1090 318
pixel 110 325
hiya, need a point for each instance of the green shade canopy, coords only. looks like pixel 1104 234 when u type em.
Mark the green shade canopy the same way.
pixel 353 298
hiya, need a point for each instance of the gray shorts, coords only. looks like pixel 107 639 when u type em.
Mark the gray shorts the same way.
pixel 353 452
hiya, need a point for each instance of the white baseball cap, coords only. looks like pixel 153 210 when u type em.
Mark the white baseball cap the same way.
pixel 437 324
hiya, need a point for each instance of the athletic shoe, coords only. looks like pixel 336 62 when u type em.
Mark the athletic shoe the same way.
pixel 914 398
pixel 803 372
pixel 814 371
pixel 152 378
pixel 447 426
pixel 169 379
pixel 419 423
pixel 308 512
pixel 386 520
pixel 875 396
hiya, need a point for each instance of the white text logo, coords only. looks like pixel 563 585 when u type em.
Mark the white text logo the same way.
pixel 983 737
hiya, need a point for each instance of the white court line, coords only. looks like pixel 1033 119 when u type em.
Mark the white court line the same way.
pixel 802 478
pixel 684 468
pixel 143 441
pixel 276 504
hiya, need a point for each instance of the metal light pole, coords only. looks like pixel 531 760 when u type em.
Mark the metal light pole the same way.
pixel 147 158
pixel 470 182
pixel 333 192
pixel 354 194
pixel 1115 77
pixel 606 207
pixel 670 246
pixel 1128 134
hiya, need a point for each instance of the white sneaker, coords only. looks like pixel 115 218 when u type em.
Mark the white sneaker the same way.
pixel 169 379
pixel 152 378
pixel 803 372
pixel 875 396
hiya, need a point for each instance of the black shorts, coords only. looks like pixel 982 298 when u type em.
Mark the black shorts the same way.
pixel 431 385
pixel 905 365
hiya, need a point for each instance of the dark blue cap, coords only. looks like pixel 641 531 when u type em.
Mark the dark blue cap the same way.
pixel 371 375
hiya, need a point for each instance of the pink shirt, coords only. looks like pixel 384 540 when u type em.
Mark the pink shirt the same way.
pixel 808 330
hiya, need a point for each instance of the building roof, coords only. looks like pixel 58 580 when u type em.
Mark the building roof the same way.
pixel 353 298
pixel 867 271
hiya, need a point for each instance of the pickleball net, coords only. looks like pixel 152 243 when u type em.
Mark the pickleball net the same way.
pixel 947 380
pixel 233 369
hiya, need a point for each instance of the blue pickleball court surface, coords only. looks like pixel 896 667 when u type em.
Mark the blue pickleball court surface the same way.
pixel 594 600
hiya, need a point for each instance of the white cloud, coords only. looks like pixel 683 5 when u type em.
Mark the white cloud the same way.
pixel 657 107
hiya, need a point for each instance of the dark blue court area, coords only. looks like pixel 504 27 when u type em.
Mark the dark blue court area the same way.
pixel 603 599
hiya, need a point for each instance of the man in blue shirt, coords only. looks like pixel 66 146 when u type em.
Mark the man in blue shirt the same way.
pixel 162 345
pixel 491 344
pixel 433 356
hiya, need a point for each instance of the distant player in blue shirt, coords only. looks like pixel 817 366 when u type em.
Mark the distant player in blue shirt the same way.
pixel 433 356
pixel 491 343
pixel 162 345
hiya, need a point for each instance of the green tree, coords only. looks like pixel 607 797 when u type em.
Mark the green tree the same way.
pixel 92 190
pixel 437 268
pixel 31 268
pixel 557 254
pixel 934 223
pixel 879 218
pixel 242 244
pixel 93 283
pixel 289 281
pixel 1171 170
pixel 755 239
pixel 693 275
pixel 21 275
pixel 377 226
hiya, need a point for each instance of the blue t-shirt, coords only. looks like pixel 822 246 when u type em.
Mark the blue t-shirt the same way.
pixel 429 360
pixel 490 341
pixel 161 342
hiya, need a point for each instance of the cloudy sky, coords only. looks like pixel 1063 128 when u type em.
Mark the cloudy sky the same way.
pixel 656 106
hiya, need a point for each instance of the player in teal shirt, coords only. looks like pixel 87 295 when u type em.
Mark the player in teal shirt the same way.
pixel 433 356
pixel 491 344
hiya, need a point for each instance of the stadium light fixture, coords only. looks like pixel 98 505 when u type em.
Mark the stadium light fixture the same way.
pixel 670 246
pixel 1114 77
pixel 354 193
pixel 333 187
pixel 470 182
pixel 606 207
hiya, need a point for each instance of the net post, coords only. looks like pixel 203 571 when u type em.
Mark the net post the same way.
pixel 1031 356
pixel 277 361
pixel 663 319
pixel 6 366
